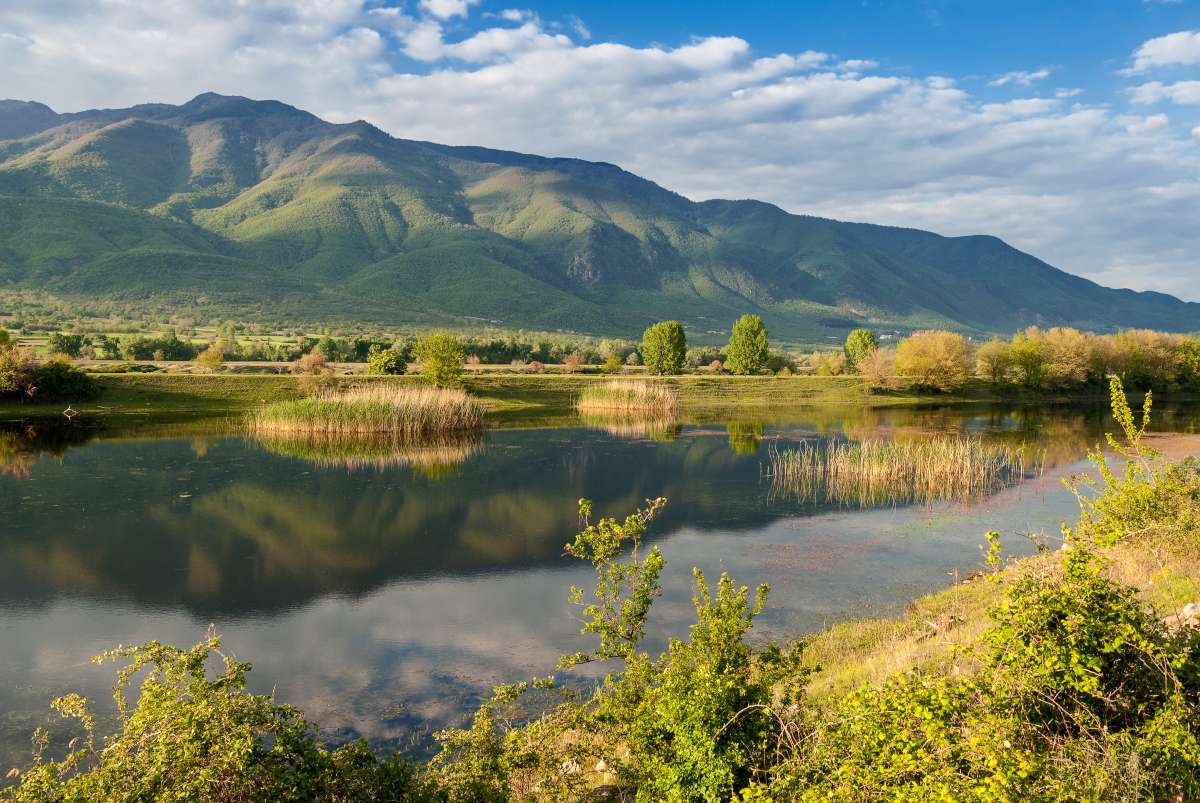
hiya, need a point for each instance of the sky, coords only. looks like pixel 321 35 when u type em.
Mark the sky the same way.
pixel 1069 129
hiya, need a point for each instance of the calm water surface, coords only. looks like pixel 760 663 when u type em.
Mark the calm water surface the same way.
pixel 384 593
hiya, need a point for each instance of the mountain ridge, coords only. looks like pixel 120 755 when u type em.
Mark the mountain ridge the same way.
pixel 258 204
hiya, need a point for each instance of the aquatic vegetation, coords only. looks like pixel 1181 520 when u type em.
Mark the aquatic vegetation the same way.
pixel 878 472
pixel 630 397
pixel 623 426
pixel 372 409
pixel 431 455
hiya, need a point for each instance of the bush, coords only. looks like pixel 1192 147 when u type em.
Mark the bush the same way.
pixel 613 365
pixel 195 737
pixel 385 362
pixel 313 363
pixel 664 347
pixel 859 344
pixel 211 358
pixel 56 380
pixel 441 358
pixel 22 376
pixel 933 359
pixel 748 346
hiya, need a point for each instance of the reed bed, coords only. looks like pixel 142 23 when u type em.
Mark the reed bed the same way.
pixel 372 410
pixel 430 455
pixel 873 473
pixel 630 397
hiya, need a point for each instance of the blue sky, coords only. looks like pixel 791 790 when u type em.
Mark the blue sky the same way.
pixel 1070 129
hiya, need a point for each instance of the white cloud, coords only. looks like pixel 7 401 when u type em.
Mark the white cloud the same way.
pixel 858 64
pixel 1103 194
pixel 1181 92
pixel 1021 77
pixel 445 9
pixel 1181 48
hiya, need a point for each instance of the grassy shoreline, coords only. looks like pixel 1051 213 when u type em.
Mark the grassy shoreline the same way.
pixel 509 399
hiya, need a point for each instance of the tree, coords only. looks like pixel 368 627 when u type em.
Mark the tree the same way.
pixel 613 365
pixel 878 368
pixel 993 360
pixel 5 339
pixel 441 358
pixel 748 347
pixel 934 359
pixel 211 358
pixel 1028 356
pixel 329 348
pixel 859 344
pixel 62 343
pixel 385 362
pixel 664 347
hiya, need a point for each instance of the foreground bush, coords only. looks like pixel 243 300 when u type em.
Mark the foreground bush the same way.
pixel 195 737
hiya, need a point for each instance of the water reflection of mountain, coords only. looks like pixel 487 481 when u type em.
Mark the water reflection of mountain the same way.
pixel 222 526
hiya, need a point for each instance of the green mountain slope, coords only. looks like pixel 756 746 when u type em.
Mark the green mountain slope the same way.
pixel 258 204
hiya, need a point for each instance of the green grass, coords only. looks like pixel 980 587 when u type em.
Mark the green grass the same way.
pixel 372 409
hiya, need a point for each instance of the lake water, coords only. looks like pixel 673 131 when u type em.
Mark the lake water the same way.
pixel 384 593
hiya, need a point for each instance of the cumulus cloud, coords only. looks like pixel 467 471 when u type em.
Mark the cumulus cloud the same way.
pixel 1181 92
pixel 445 9
pixel 1021 77
pixel 1180 48
pixel 1085 186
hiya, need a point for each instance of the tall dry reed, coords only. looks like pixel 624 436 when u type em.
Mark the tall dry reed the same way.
pixel 630 396
pixel 373 409
pixel 886 472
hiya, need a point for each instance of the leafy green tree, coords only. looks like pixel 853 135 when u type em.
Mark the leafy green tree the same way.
pixel 386 362
pixel 441 358
pixel 329 348
pixel 5 338
pixel 859 344
pixel 748 346
pixel 613 365
pixel 63 343
pixel 663 348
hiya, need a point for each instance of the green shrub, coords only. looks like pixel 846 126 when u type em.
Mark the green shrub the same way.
pixel 441 359
pixel 613 365
pixel 195 737
pixel 748 346
pixel 386 362
pixel 56 380
pixel 664 347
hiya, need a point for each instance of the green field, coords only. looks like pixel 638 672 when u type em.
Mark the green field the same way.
pixel 510 399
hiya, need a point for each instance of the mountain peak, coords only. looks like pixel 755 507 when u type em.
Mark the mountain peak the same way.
pixel 255 202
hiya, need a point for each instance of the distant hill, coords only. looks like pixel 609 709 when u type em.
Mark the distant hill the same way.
pixel 261 205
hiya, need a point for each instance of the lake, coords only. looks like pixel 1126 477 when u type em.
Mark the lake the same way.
pixel 384 592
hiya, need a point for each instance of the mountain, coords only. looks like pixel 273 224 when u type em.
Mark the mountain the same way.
pixel 259 206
